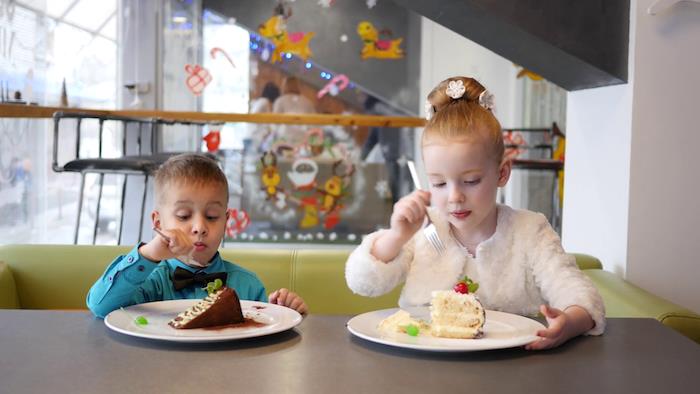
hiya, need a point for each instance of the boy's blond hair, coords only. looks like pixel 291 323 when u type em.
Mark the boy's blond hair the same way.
pixel 462 117
pixel 192 168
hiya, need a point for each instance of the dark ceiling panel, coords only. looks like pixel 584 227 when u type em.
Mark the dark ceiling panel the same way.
pixel 577 44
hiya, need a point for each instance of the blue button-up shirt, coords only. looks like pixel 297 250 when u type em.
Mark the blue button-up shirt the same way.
pixel 132 279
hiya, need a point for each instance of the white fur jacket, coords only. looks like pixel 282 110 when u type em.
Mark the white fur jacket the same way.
pixel 522 266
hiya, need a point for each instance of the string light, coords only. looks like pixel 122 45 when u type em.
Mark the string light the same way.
pixel 259 45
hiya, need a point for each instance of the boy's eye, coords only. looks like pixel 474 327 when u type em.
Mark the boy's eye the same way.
pixel 438 184
pixel 182 217
pixel 473 182
pixel 212 218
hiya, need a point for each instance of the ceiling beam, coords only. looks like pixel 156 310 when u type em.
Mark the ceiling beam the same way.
pixel 575 44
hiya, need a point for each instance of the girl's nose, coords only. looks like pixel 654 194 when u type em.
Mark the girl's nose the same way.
pixel 455 195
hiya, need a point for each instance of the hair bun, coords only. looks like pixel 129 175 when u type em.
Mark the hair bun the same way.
pixel 454 89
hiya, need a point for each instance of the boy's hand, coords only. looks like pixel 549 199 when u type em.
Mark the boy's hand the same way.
pixel 289 299
pixel 409 214
pixel 169 244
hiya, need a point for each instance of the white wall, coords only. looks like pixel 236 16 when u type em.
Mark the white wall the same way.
pixel 631 182
pixel 596 174
pixel 664 239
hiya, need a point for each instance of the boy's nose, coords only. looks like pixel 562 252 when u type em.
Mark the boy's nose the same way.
pixel 196 230
pixel 199 227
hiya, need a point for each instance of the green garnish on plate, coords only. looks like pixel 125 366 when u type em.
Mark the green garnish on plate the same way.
pixel 212 287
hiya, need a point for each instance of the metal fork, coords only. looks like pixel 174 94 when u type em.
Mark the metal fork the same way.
pixel 429 231
pixel 189 258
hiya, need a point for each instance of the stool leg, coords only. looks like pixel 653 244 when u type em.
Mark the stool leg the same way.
pixel 80 207
pixel 97 210
pixel 121 220
pixel 143 205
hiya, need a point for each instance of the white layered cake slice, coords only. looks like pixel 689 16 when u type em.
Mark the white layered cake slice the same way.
pixel 456 315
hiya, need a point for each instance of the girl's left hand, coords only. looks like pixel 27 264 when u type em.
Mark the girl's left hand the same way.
pixel 555 334
pixel 289 299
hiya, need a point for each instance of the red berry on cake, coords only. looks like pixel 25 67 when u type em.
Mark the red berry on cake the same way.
pixel 466 286
pixel 462 288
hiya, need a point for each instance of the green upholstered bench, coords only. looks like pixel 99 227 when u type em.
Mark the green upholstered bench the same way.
pixel 59 276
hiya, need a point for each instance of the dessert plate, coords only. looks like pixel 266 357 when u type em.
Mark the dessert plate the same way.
pixel 270 319
pixel 501 330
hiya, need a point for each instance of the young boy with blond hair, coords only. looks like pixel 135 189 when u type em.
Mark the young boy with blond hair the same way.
pixel 190 215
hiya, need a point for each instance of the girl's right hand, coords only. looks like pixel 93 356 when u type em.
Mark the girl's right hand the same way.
pixel 409 214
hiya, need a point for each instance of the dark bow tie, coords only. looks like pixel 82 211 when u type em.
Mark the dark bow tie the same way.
pixel 183 278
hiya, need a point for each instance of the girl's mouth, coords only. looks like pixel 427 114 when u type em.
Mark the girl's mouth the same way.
pixel 460 214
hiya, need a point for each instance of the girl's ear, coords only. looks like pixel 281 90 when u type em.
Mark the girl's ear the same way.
pixel 228 213
pixel 504 172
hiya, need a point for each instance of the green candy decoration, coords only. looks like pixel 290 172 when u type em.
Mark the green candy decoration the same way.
pixel 212 287
pixel 140 320
pixel 412 330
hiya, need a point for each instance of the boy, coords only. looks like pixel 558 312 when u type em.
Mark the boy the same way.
pixel 190 217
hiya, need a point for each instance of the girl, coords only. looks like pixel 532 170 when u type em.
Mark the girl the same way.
pixel 515 255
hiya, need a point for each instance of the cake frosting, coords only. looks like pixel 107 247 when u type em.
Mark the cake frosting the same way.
pixel 399 321
pixel 220 307
pixel 456 315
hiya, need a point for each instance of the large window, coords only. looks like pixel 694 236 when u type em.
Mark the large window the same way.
pixel 42 44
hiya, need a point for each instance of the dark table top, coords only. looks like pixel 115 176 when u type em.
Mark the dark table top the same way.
pixel 72 352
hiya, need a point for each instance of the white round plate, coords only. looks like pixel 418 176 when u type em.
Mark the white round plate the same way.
pixel 501 330
pixel 275 317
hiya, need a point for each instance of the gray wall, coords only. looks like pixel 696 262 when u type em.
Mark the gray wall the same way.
pixel 393 80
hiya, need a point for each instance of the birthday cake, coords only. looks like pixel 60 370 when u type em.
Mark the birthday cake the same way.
pixel 221 307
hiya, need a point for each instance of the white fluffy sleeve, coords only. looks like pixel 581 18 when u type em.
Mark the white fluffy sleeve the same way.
pixel 368 276
pixel 560 280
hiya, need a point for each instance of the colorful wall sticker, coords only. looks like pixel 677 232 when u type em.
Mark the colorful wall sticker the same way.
pixel 270 177
pixel 275 29
pixel 314 142
pixel 198 78
pixel 529 74
pixel 237 222
pixel 375 47
pixel 335 86
pixel 309 206
pixel 303 174
pixel 213 140
pixel 216 50
pixel 513 141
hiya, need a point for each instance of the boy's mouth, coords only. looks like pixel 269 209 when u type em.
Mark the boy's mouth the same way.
pixel 199 246
pixel 461 214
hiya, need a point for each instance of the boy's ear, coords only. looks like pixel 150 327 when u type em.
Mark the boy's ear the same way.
pixel 504 172
pixel 155 219
pixel 228 213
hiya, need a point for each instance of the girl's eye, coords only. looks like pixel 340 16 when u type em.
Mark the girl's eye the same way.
pixel 212 218
pixel 438 184
pixel 182 217
pixel 473 182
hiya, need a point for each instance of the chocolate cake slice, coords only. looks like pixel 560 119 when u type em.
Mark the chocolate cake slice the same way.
pixel 219 308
